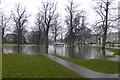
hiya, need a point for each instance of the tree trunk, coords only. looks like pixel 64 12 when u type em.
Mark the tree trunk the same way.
pixel 119 36
pixel 105 29
pixel 103 43
pixel 18 43
pixel 71 30
pixel 55 49
pixel 61 38
pixel 46 44
pixel 2 35
pixel 46 41
pixel 55 38
pixel 18 40
pixel 1 40
pixel 38 41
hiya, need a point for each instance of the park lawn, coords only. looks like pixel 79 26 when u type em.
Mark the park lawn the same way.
pixel 33 66
pixel 99 65
pixel 0 65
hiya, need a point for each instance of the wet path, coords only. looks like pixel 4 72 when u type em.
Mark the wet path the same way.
pixel 81 70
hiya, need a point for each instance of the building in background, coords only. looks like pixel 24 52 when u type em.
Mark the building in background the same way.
pixel 112 37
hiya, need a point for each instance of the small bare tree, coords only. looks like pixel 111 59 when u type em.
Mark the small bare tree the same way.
pixel 39 28
pixel 55 29
pixel 19 16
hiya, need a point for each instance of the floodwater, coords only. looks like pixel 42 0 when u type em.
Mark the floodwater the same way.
pixel 62 50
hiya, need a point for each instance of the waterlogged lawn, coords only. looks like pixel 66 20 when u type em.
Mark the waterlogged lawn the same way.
pixel 99 65
pixel 116 51
pixel 9 45
pixel 33 66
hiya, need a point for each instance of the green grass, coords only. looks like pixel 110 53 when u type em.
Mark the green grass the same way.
pixel 107 57
pixel 99 65
pixel 89 46
pixel 33 66
pixel 0 65
pixel 116 51
pixel 9 45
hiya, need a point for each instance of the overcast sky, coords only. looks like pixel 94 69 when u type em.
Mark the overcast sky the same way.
pixel 32 7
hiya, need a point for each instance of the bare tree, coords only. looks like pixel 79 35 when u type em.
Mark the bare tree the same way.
pixel 103 9
pixel 119 20
pixel 0 39
pixel 56 27
pixel 19 16
pixel 4 24
pixel 39 28
pixel 71 20
pixel 47 12
pixel 71 9
pixel 83 29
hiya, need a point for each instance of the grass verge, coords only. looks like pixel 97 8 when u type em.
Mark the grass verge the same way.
pixel 99 65
pixel 33 66
pixel 0 65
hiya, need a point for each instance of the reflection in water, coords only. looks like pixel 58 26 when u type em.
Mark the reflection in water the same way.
pixel 19 49
pixel 62 50
pixel 55 50
pixel 83 53
pixel 103 51
pixel 1 49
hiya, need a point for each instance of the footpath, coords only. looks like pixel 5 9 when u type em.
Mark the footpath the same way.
pixel 87 73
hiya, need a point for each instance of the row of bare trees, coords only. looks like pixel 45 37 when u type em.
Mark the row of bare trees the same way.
pixel 18 17
pixel 48 20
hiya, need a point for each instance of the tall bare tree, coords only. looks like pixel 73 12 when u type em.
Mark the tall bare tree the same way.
pixel 71 20
pixel 103 9
pixel 19 16
pixel 47 12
